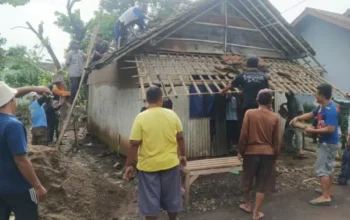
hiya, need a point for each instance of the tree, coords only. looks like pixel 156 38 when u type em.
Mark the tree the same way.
pixel 71 22
pixel 22 68
pixel 2 54
pixel 44 41
pixel 14 2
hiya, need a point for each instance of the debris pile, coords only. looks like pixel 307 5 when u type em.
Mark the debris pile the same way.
pixel 74 191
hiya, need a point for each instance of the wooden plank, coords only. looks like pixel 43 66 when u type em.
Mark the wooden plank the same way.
pixel 193 178
pixel 206 84
pixel 187 188
pixel 172 86
pixel 143 91
pixel 214 160
pixel 184 85
pixel 217 170
pixel 206 71
pixel 214 166
pixel 158 75
pixel 195 85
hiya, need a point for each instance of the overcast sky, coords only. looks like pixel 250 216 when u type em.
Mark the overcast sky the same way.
pixel 38 10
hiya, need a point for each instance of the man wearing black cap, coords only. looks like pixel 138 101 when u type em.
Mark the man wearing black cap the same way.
pixel 251 83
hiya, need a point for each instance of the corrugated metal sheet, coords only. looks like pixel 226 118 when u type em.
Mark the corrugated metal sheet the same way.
pixel 280 98
pixel 115 109
pixel 196 131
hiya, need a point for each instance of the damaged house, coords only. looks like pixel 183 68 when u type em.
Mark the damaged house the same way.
pixel 191 56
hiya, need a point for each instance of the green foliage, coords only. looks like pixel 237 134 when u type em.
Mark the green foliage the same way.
pixel 106 21
pixel 14 2
pixel 22 111
pixel 22 68
pixel 64 23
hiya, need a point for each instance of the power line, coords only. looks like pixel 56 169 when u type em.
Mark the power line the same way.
pixel 293 6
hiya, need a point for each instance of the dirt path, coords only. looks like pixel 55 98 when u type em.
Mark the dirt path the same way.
pixel 291 206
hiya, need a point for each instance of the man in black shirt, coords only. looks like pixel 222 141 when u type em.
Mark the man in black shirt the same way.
pixel 251 82
pixel 101 47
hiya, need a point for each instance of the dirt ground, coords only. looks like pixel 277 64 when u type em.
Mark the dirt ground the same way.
pixel 87 184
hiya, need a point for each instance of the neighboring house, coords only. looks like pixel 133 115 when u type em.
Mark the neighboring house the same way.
pixel 192 56
pixel 329 35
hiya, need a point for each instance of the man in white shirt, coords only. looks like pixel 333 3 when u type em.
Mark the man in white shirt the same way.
pixel 134 15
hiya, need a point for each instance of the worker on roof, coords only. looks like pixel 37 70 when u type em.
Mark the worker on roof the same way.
pixel 101 48
pixel 134 15
pixel 251 82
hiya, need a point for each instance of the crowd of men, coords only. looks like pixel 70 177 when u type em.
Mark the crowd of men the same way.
pixel 157 136
pixel 157 143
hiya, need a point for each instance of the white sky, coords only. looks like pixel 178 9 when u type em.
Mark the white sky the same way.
pixel 38 10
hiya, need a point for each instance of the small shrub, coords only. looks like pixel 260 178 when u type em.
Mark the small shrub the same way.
pixel 22 112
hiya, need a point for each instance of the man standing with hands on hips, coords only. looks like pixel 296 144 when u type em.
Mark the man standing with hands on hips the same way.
pixel 327 130
pixel 20 188
pixel 157 137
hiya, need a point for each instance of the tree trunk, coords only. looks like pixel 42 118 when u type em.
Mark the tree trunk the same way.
pixel 47 45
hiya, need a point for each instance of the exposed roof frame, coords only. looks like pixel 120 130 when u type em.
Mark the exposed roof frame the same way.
pixel 183 17
pixel 274 27
pixel 218 42
pixel 252 23
pixel 253 15
pixel 290 34
pixel 186 23
pixel 229 26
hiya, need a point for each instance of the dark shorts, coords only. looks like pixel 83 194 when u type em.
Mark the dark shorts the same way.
pixel 159 190
pixel 260 168
pixel 24 206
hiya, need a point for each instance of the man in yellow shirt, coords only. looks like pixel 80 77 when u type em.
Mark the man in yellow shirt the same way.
pixel 157 137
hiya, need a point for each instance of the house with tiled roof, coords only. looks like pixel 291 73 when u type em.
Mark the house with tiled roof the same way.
pixel 192 56
pixel 328 33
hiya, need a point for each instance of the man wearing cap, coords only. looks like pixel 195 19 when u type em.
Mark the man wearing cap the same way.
pixel 38 116
pixel 251 82
pixel 20 188
pixel 75 63
pixel 259 145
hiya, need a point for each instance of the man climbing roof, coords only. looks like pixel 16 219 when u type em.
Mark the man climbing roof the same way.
pixel 134 15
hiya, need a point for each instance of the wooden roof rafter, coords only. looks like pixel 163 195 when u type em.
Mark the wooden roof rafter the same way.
pixel 208 74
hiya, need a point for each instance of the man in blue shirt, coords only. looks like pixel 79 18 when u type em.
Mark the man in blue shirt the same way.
pixel 134 15
pixel 39 122
pixel 20 188
pixel 327 130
